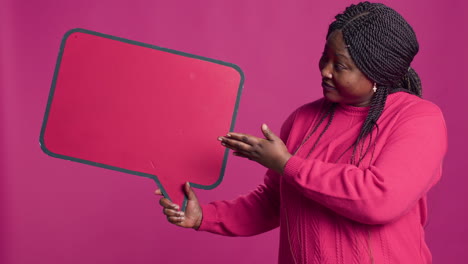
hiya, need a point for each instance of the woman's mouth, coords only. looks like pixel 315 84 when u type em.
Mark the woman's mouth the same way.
pixel 326 86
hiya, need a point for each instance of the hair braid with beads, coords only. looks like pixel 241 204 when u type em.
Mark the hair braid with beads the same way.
pixel 382 45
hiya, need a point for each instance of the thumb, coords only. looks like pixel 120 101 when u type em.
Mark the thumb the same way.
pixel 268 133
pixel 190 193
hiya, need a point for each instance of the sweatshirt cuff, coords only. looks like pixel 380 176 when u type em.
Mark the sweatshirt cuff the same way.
pixel 292 168
pixel 209 217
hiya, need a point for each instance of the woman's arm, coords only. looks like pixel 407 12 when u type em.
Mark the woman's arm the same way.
pixel 407 166
pixel 247 215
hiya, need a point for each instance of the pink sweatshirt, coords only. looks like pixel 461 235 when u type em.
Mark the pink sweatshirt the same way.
pixel 330 211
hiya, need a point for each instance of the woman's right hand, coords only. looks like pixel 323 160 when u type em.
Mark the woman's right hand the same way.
pixel 192 216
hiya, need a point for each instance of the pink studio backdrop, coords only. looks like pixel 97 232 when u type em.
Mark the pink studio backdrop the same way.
pixel 54 211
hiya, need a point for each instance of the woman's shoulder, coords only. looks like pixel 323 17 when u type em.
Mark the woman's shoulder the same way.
pixel 411 104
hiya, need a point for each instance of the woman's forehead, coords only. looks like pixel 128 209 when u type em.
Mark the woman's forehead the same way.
pixel 336 42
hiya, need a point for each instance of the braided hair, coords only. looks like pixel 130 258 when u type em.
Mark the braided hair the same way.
pixel 382 45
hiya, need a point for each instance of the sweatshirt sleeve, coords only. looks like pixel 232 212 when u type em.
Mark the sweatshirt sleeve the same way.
pixel 250 214
pixel 408 165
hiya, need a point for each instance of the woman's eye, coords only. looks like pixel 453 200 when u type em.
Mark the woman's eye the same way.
pixel 339 66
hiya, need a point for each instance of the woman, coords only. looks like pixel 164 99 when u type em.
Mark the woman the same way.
pixel 348 176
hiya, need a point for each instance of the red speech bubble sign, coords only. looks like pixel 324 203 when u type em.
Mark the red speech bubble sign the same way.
pixel 141 109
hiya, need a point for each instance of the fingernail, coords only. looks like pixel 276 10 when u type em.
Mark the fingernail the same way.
pixel 188 184
pixel 223 144
pixel 228 135
pixel 220 139
pixel 264 127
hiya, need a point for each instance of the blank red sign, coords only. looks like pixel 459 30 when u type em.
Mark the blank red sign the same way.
pixel 141 109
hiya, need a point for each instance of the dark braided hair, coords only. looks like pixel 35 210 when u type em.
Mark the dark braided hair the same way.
pixel 382 45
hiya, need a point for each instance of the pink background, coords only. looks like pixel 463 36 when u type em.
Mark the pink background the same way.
pixel 54 211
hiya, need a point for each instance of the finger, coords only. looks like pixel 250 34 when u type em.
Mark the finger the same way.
pixel 158 192
pixel 171 212
pixel 175 219
pixel 242 155
pixel 247 139
pixel 241 137
pixel 168 204
pixel 268 133
pixel 235 144
pixel 189 192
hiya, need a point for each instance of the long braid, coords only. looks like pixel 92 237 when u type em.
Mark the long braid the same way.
pixel 331 112
pixel 412 83
pixel 376 108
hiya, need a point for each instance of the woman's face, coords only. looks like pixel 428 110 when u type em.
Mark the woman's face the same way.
pixel 342 81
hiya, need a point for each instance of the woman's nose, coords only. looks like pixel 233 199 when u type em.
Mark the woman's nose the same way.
pixel 326 70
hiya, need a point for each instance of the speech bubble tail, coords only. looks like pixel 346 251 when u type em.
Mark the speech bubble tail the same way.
pixel 174 192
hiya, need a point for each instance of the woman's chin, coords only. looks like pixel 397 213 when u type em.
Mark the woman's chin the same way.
pixel 331 95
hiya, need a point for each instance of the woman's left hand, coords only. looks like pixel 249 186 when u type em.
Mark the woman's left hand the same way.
pixel 269 151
